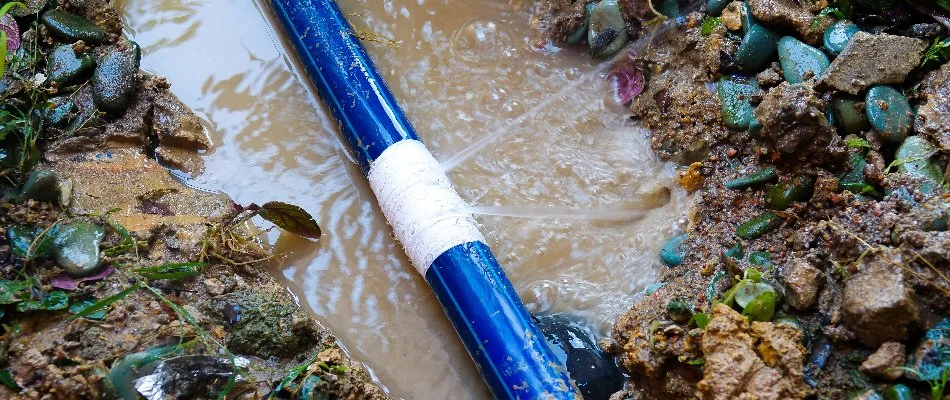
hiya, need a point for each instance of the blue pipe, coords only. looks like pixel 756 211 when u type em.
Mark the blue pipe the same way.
pixel 507 347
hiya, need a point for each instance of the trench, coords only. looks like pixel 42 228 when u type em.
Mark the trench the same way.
pixel 569 195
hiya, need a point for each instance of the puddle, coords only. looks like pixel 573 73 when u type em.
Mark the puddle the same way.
pixel 571 199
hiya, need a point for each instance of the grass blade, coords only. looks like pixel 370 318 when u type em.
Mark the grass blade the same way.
pixel 101 304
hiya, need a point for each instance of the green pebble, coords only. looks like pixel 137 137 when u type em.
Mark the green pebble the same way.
pixel 715 7
pixel 672 253
pixel 744 182
pixel 853 181
pixel 889 113
pixel 19 238
pixel 848 116
pixel 114 82
pixel 757 48
pixel 922 152
pixel 42 185
pixel 838 35
pixel 898 392
pixel 581 31
pixel 608 31
pixel 748 20
pixel 77 248
pixel 758 226
pixel 66 69
pixel 867 394
pixel 652 288
pixel 734 95
pixel 736 252
pixel 62 115
pixel 669 8
pixel 71 27
pixel 781 196
pixel 754 126
pixel 760 258
pixel 799 59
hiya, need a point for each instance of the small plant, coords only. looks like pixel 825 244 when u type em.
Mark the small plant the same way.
pixel 938 53
pixel 756 299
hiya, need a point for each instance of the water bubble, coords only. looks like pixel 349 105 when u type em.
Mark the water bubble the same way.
pixel 480 42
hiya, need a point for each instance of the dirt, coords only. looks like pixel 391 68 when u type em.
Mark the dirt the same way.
pixel 230 320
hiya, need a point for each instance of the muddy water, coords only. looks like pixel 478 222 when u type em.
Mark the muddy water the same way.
pixel 571 200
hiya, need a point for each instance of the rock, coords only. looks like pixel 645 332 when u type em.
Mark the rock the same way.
pixel 800 62
pixel 581 32
pixel 67 69
pixel 931 359
pixel 791 14
pixel 758 226
pixel 877 304
pixel 41 185
pixel 732 16
pixel 70 27
pixel 762 361
pixel 898 392
pixel 781 196
pixel 114 83
pixel 734 95
pixel 850 115
pixel 77 248
pixel 608 31
pixel 802 284
pixel 176 125
pixel 886 362
pixel 262 325
pixel 889 113
pixel 757 48
pixel 755 178
pixel 873 60
pixel 838 35
pixel 715 7
pixel 919 155
pixel 866 394
pixel 672 252
pixel 62 114
pixel 574 345
pixel 793 120
pixel 933 117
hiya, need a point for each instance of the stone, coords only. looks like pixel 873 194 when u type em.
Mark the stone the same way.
pixel 62 114
pixel 889 113
pixel 70 27
pixel 802 284
pixel 870 60
pixel 800 62
pixel 114 83
pixel 933 116
pixel 65 68
pixel 919 155
pixel 886 362
pixel 715 7
pixel 838 35
pixel 581 32
pixel 793 120
pixel 672 252
pixel 77 248
pixel 41 185
pixel 608 31
pixel 735 95
pixel 574 345
pixel 898 392
pixel 176 125
pixel 758 226
pixel 877 304
pixel 781 196
pixel 732 16
pixel 850 115
pixel 793 15
pixel 757 48
pixel 746 181
pixel 931 359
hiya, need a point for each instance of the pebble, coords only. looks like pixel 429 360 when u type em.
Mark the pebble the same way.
pixel 849 116
pixel 77 248
pixel 889 113
pixel 19 238
pixel 715 7
pixel 758 226
pixel 672 252
pixel 757 48
pixel 574 344
pixel 760 258
pixel 67 69
pixel 734 95
pixel 669 8
pixel 755 178
pixel 62 114
pixel 931 359
pixel 800 61
pixel 920 150
pixel 652 288
pixel 870 60
pixel 41 185
pixel 781 196
pixel 838 36
pixel 71 27
pixel 853 181
pixel 608 30
pixel 114 82
pixel 581 31
pixel 899 391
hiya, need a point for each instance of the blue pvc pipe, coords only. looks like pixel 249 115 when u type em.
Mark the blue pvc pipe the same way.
pixel 507 347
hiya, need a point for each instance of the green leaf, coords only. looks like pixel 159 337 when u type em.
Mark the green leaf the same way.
pixel 97 315
pixel 101 304
pixel 172 270
pixel 697 361
pixel 709 24
pixel 700 320
pixel 291 218
pixel 761 308
pixel 857 143
pixel 56 300
pixel 6 378
pixel 939 52
pixel 10 290
pixel 749 291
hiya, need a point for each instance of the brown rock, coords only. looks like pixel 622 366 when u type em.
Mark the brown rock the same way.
pixel 876 302
pixel 793 120
pixel 802 283
pixel 762 361
pixel 732 16
pixel 933 118
pixel 886 362
pixel 873 60
pixel 791 14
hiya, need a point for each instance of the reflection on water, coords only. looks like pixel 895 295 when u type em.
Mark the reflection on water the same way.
pixel 569 195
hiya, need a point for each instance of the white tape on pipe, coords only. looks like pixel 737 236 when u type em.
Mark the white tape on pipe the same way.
pixel 427 215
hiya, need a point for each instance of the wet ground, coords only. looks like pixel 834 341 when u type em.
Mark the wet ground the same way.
pixel 572 200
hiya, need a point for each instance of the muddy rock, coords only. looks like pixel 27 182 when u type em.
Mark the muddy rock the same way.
pixel 114 84
pixel 792 15
pixel 876 303
pixel 802 283
pixel 793 121
pixel 933 117
pixel 180 134
pixel 886 362
pixel 99 12
pixel 560 18
pixel 871 59
pixel 757 361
